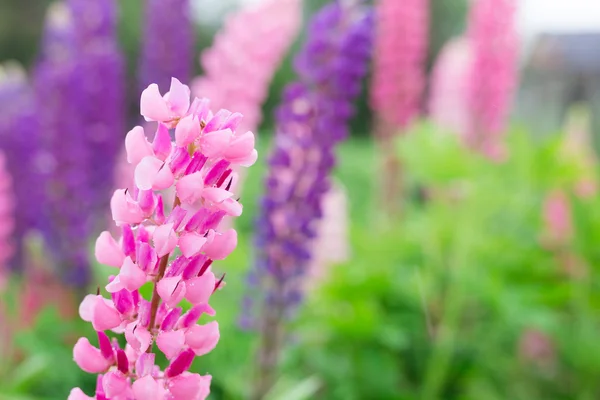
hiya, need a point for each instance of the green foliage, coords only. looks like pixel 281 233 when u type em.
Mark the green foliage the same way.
pixel 439 305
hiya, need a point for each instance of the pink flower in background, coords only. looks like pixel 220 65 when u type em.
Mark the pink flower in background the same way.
pixel 494 74
pixel 557 218
pixel 239 66
pixel 171 245
pixel 331 245
pixel 449 95
pixel 7 222
pixel 399 65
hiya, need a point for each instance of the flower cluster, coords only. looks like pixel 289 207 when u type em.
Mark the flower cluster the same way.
pixel 19 141
pixel 244 56
pixel 494 73
pixel 399 64
pixel 168 42
pixel 58 79
pixel 100 61
pixel 171 246
pixel 450 86
pixel 312 119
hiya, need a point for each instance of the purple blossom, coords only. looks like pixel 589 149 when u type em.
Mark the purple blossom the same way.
pixel 19 140
pixel 58 82
pixel 103 92
pixel 168 43
pixel 312 119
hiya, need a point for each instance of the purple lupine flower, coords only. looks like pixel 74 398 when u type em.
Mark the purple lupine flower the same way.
pixel 312 119
pixel 19 140
pixel 58 83
pixel 103 91
pixel 168 45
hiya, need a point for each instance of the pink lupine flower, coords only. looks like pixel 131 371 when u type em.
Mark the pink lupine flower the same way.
pixel 494 72
pixel 245 55
pixel 451 79
pixel 557 218
pixel 399 64
pixel 170 246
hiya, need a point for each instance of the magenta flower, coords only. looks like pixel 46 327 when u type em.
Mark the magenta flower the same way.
pixel 239 66
pixel 172 247
pixel 399 64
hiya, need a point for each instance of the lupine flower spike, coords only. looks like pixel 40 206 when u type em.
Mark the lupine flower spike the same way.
pixel 311 121
pixel 170 246
pixel 494 73
pixel 239 66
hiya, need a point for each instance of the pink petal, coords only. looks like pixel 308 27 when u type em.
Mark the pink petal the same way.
pixel 105 315
pixel 198 290
pixel 216 195
pixel 165 239
pixel 86 308
pixel 240 146
pixel 203 338
pixel 131 276
pixel 187 130
pixel 108 251
pixel 171 342
pixel 191 243
pixel 138 337
pixel 221 245
pixel 232 207
pixel 89 358
pixel 152 105
pixel 137 146
pixel 190 187
pixel 77 394
pixel 189 387
pixel 152 173
pixel 114 384
pixel 178 97
pixel 215 143
pixel 171 290
pixel 146 388
pixel 246 161
pixel 162 142
pixel 124 209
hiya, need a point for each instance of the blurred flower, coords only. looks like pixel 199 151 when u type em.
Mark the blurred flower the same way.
pixel 168 42
pixel 311 120
pixel 494 73
pixel 331 245
pixel 172 247
pixel 58 82
pixel 536 347
pixel 557 219
pixel 245 54
pixel 23 153
pixel 451 77
pixel 102 105
pixel 399 63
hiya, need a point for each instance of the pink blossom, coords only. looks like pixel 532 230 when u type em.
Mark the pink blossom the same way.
pixel 244 57
pixel 198 169
pixel 494 72
pixel 399 63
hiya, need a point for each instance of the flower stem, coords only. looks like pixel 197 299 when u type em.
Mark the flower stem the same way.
pixel 164 261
